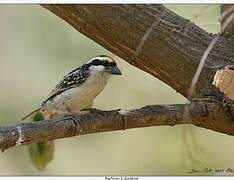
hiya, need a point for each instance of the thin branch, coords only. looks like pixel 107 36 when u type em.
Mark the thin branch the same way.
pixel 226 17
pixel 206 115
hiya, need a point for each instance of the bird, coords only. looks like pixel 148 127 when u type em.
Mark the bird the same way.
pixel 78 88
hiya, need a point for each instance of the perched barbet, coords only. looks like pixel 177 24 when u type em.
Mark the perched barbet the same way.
pixel 75 92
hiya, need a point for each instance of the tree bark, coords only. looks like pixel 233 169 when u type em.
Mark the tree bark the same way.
pixel 208 115
pixel 154 39
pixel 226 11
pixel 157 41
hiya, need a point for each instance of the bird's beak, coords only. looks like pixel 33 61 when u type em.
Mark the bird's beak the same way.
pixel 114 70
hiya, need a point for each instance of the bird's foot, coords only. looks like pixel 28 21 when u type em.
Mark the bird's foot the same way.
pixel 77 121
pixel 88 110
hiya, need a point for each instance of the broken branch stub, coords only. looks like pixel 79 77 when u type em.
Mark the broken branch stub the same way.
pixel 224 81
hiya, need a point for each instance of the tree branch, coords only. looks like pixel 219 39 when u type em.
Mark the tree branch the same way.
pixel 207 115
pixel 154 39
pixel 226 11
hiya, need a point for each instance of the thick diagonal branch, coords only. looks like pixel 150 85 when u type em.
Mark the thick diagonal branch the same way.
pixel 154 39
pixel 206 115
pixel 227 11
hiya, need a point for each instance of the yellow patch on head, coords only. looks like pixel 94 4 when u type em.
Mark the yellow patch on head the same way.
pixel 105 58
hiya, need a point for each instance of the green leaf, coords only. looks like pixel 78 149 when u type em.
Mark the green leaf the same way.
pixel 41 153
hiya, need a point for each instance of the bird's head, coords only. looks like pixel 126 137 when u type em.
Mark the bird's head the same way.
pixel 105 64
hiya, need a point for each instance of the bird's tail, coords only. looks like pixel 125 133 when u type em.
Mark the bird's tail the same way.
pixel 31 113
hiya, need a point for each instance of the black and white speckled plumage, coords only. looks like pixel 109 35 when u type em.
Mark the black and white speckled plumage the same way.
pixel 80 87
pixel 73 79
pixel 79 75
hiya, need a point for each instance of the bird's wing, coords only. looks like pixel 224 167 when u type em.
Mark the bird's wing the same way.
pixel 71 80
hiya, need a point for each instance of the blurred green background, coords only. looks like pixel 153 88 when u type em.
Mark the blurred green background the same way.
pixel 37 49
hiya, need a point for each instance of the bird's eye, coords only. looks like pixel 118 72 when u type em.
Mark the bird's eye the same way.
pixel 109 64
pixel 96 62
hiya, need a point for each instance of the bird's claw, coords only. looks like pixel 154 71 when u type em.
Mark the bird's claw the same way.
pixel 77 121
pixel 89 109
